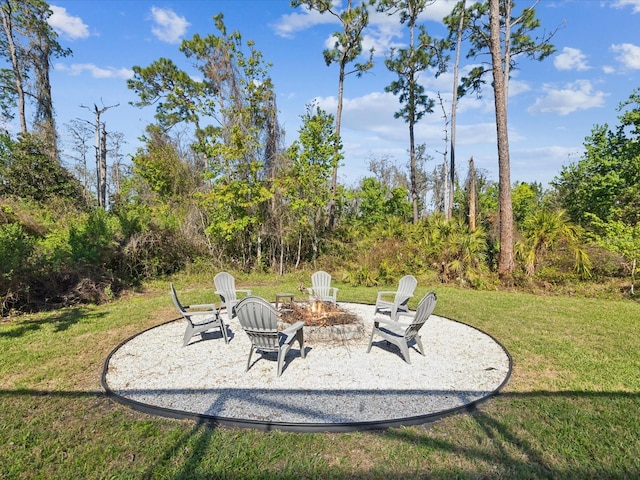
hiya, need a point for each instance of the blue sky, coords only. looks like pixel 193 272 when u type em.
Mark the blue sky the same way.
pixel 553 104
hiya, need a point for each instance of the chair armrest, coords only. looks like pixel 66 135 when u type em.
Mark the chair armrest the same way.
pixel 385 321
pixel 391 324
pixel 210 306
pixel 293 328
pixel 382 294
pixel 406 314
pixel 202 313
pixel 246 292
pixel 403 298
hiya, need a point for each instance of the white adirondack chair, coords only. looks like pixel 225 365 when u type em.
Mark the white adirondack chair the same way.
pixel 387 305
pixel 226 287
pixel 321 289
pixel 259 319
pixel 200 318
pixel 401 334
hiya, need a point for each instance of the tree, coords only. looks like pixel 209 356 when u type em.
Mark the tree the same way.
pixel 407 64
pixel 100 131
pixel 307 182
pixel 622 238
pixel 80 134
pixel 346 49
pixel 492 29
pixel 28 43
pixel 472 195
pixel 454 102
pixel 605 182
pixel 526 198
pixel 235 94
pixel 26 171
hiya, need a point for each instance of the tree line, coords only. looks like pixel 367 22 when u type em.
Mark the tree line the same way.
pixel 213 183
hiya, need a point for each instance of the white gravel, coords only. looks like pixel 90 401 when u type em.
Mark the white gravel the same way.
pixel 338 382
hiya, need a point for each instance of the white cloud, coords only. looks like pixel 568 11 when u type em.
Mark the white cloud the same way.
pixel 67 25
pixel 169 27
pixel 95 71
pixel 578 95
pixel 295 22
pixel 571 59
pixel 635 5
pixel 628 54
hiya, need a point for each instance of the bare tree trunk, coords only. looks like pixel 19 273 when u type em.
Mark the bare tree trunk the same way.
pixel 412 173
pixel 472 195
pixel 281 269
pixel 7 24
pixel 412 139
pixel 102 172
pixel 454 106
pixel 299 250
pixel 44 119
pixel 334 173
pixel 506 262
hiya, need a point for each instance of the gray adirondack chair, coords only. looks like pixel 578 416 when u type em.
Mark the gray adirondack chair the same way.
pixel 401 334
pixel 226 287
pixel 259 319
pixel 387 305
pixel 321 289
pixel 200 318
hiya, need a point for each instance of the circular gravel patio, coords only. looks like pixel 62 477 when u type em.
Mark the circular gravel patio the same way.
pixel 337 387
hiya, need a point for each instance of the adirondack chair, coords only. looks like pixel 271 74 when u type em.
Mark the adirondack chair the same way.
pixel 259 319
pixel 226 287
pixel 321 289
pixel 200 318
pixel 392 307
pixel 401 334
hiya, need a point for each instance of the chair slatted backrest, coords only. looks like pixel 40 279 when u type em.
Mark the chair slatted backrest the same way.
pixel 321 283
pixel 176 302
pixel 259 319
pixel 423 312
pixel 407 286
pixel 226 285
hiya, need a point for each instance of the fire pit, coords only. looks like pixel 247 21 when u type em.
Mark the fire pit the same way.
pixel 323 321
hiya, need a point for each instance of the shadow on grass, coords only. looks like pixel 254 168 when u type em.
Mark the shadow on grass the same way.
pixel 61 322
pixel 569 435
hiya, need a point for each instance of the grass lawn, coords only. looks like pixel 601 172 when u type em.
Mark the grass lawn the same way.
pixel 570 410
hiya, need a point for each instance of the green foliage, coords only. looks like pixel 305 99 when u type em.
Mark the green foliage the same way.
pixel 94 238
pixel 27 172
pixel 450 248
pixel 303 183
pixel 374 203
pixel 526 199
pixel 519 42
pixel 544 231
pixel 621 238
pixel 605 182
pixel 347 45
pixel 159 165
pixel 15 248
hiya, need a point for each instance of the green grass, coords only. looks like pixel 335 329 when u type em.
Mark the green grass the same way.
pixel 571 409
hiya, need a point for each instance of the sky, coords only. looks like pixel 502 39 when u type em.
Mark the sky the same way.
pixel 553 104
